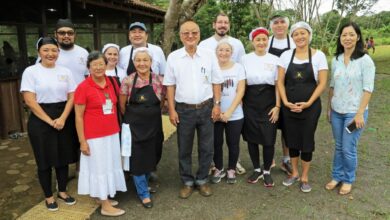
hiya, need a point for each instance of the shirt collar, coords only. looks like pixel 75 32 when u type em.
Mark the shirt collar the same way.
pixel 183 53
pixel 93 84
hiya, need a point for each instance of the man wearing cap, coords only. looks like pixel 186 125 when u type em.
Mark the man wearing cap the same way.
pixel 193 79
pixel 71 55
pixel 138 37
pixel 221 25
pixel 280 42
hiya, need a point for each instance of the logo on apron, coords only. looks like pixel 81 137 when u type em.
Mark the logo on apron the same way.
pixel 298 75
pixel 142 98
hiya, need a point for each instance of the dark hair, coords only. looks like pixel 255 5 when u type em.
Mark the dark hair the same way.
pixel 359 48
pixel 95 55
pixel 223 14
pixel 46 40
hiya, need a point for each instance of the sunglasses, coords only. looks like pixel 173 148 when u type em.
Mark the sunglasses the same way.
pixel 63 33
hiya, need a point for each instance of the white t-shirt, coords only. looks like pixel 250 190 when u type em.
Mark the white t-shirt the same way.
pixel 260 69
pixel 280 44
pixel 75 60
pixel 238 48
pixel 193 76
pixel 318 60
pixel 121 73
pixel 51 85
pixel 229 89
pixel 158 58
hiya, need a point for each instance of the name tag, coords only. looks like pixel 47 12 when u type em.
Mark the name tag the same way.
pixel 107 108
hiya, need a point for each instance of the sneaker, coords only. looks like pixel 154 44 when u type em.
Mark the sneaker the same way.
pixel 240 169
pixel 255 177
pixel 268 181
pixel 52 206
pixel 286 167
pixel 68 200
pixel 218 175
pixel 212 169
pixel 231 177
pixel 305 187
pixel 290 180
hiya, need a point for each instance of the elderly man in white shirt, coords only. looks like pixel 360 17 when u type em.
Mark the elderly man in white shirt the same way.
pixel 193 81
pixel 138 37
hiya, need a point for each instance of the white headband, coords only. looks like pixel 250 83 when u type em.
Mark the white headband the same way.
pixel 141 49
pixel 304 25
pixel 106 46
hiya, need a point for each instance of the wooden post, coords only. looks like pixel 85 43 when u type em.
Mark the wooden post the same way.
pixel 96 31
pixel 43 27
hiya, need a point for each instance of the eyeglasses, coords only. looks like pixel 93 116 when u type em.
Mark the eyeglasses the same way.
pixel 63 33
pixel 188 33
pixel 98 65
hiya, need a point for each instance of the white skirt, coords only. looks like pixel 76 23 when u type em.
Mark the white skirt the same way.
pixel 101 172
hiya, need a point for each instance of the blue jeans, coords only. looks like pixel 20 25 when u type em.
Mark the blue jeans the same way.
pixel 141 185
pixel 345 154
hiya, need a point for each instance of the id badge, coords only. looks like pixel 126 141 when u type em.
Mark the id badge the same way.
pixel 107 108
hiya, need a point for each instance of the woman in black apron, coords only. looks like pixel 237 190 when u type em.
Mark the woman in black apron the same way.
pixel 48 91
pixel 142 111
pixel 261 105
pixel 300 93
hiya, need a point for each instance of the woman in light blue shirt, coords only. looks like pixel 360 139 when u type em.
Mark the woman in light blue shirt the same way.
pixel 352 83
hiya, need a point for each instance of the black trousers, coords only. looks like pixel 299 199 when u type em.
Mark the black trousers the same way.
pixel 45 179
pixel 232 133
pixel 268 155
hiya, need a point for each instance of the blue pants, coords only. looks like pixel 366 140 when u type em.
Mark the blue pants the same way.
pixel 345 154
pixel 141 185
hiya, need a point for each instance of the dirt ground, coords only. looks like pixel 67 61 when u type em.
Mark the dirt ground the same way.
pixel 370 198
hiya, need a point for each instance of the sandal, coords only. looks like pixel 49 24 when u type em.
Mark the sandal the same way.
pixel 345 189
pixel 331 185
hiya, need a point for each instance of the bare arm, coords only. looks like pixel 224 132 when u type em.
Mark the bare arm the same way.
pixel 60 122
pixel 173 116
pixel 31 102
pixel 274 113
pixel 329 104
pixel 79 110
pixel 122 103
pixel 359 119
pixel 225 116
pixel 282 90
pixel 322 80
pixel 216 112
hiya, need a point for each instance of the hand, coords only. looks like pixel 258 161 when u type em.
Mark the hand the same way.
pixel 303 105
pixel 215 113
pixel 174 118
pixel 274 113
pixel 84 148
pixel 58 123
pixel 293 107
pixel 359 120
pixel 225 116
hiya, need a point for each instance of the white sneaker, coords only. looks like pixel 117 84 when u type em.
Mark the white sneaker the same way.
pixel 240 169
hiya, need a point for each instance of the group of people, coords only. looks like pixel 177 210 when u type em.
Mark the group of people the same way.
pixel 212 88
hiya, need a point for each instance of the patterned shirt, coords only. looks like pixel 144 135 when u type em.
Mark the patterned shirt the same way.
pixel 157 83
pixel 349 82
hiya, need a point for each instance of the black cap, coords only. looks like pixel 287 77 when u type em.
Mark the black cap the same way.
pixel 64 23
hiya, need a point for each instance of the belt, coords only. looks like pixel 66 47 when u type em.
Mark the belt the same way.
pixel 194 106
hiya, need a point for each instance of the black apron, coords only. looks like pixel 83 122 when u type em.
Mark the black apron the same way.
pixel 117 79
pixel 52 147
pixel 143 113
pixel 278 52
pixel 131 67
pixel 257 102
pixel 299 128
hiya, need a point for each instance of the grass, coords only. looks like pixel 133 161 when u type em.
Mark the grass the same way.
pixel 381 58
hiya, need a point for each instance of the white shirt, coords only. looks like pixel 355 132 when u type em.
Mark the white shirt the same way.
pixel 280 44
pixel 260 69
pixel 51 85
pixel 121 73
pixel 75 60
pixel 231 78
pixel 318 61
pixel 158 58
pixel 193 76
pixel 238 48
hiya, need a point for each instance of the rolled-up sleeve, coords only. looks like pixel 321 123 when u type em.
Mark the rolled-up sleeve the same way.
pixel 216 74
pixel 169 76
pixel 368 71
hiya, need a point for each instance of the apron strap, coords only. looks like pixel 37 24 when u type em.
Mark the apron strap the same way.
pixel 272 42
pixel 131 67
pixel 288 42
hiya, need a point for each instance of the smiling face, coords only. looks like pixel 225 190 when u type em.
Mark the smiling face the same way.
pixel 301 37
pixel 112 56
pixel 260 43
pixel 142 62
pixel 224 52
pixel 49 54
pixel 65 37
pixel 221 25
pixel 97 68
pixel 279 27
pixel 349 38
pixel 138 37
pixel 189 34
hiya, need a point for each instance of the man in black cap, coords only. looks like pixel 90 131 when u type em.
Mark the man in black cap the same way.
pixel 71 55
pixel 138 37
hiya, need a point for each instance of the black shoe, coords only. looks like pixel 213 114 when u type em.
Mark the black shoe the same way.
pixel 147 205
pixel 255 177
pixel 268 181
pixel 68 200
pixel 52 206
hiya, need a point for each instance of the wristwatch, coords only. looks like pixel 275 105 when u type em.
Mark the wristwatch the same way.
pixel 217 103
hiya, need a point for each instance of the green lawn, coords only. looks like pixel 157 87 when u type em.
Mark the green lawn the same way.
pixel 382 59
